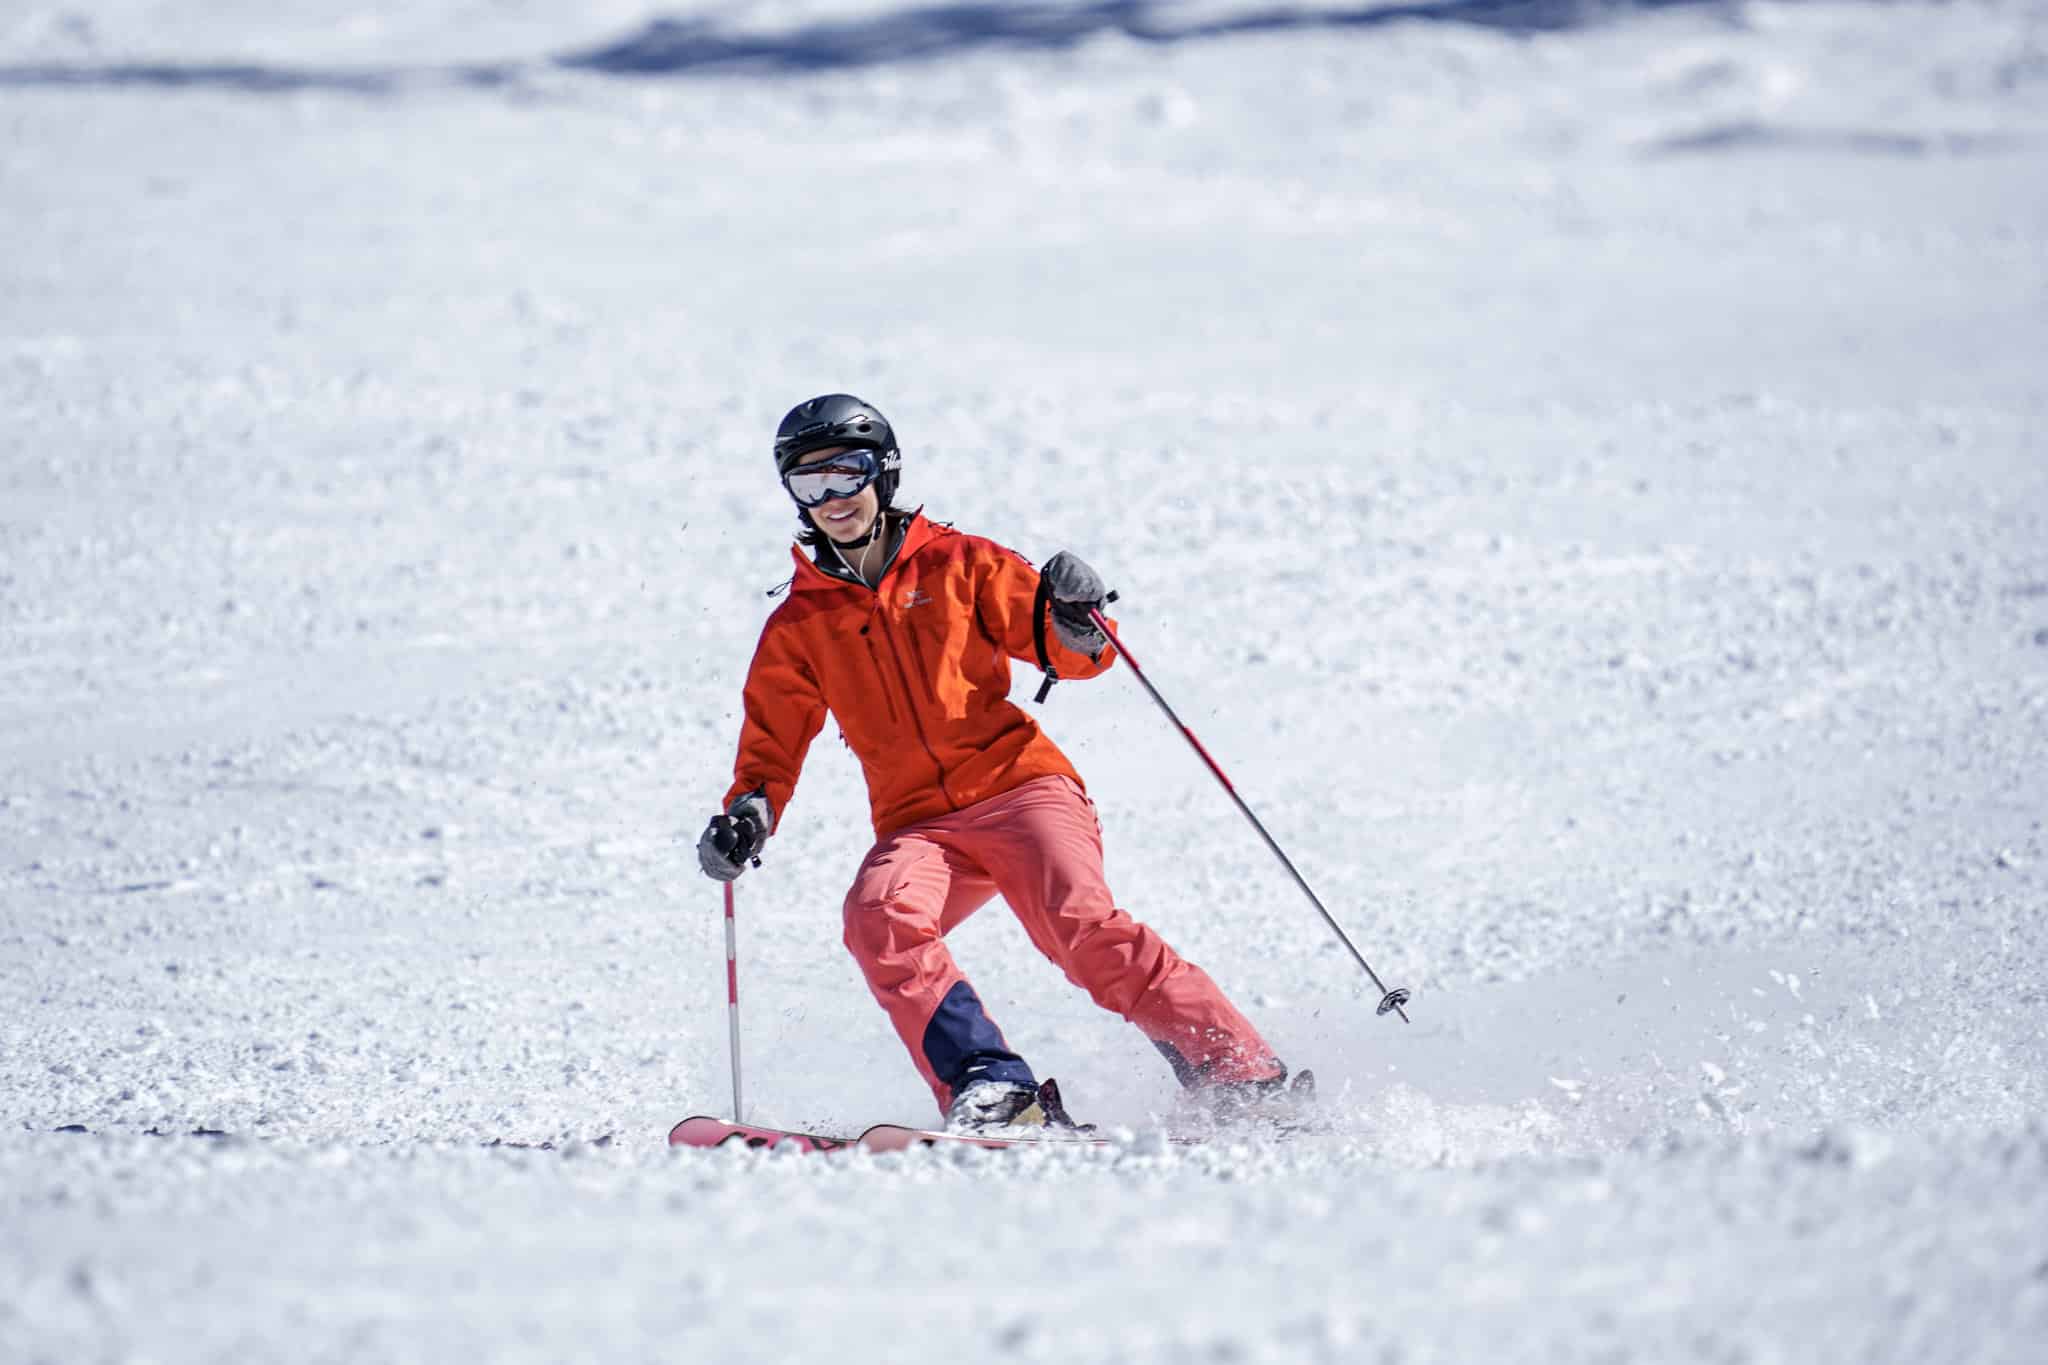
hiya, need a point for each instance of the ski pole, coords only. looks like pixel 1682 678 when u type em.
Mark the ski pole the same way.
pixel 732 998
pixel 1389 999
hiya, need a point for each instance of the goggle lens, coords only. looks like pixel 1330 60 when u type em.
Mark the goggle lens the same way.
pixel 842 476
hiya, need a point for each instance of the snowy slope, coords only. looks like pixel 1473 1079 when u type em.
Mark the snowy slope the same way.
pixel 1585 481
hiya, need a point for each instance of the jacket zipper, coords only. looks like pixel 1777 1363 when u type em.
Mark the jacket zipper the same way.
pixel 903 676
pixel 881 612
pixel 875 658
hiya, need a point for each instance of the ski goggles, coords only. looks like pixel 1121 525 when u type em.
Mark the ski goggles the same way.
pixel 842 476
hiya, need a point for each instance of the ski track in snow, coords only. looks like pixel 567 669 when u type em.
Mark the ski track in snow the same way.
pixel 1587 488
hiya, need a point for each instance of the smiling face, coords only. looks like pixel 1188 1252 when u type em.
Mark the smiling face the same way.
pixel 844 520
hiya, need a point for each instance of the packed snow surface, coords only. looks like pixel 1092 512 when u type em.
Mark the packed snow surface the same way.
pixel 1583 471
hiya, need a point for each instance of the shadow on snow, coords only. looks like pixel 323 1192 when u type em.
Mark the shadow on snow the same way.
pixel 668 47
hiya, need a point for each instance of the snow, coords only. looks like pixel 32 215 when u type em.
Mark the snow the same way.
pixel 1585 484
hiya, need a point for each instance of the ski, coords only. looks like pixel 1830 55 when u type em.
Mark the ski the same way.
pixel 701 1130
pixel 894 1137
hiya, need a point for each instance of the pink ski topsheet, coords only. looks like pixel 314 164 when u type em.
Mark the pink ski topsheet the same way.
pixel 702 1131
pixel 891 1137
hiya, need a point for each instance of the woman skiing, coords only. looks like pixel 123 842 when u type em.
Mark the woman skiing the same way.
pixel 904 630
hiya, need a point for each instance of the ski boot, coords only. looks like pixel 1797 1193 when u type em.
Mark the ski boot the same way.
pixel 1278 1104
pixel 993 1106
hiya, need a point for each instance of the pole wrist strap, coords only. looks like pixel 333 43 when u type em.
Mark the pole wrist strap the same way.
pixel 1041 610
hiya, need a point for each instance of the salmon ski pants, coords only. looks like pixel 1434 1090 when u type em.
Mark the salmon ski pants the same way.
pixel 1039 846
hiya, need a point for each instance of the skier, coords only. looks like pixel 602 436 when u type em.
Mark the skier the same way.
pixel 904 629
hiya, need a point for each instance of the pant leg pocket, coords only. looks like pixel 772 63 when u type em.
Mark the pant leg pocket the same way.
pixel 1087 802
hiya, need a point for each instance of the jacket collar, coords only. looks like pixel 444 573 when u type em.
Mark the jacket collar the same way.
pixel 917 533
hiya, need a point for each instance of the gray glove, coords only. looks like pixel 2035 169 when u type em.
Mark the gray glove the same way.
pixel 734 839
pixel 1075 590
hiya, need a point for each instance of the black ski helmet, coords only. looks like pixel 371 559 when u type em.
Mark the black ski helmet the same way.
pixel 839 419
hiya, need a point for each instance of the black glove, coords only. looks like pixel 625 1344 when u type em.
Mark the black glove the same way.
pixel 1075 590
pixel 734 839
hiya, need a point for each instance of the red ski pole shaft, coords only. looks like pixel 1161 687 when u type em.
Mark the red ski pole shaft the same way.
pixel 732 999
pixel 1389 999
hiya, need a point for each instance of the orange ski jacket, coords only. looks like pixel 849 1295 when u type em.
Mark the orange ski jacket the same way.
pixel 916 670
